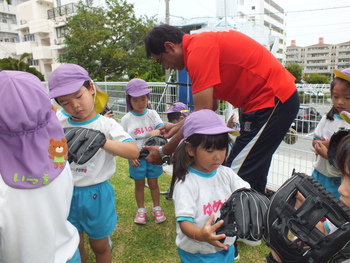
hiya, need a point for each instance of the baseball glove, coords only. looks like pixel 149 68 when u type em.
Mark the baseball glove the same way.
pixel 83 143
pixel 243 214
pixel 291 232
pixel 156 140
pixel 333 144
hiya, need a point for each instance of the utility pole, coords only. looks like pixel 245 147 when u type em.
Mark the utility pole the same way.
pixel 167 14
pixel 167 21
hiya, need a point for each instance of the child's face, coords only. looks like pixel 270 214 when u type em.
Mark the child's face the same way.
pixel 344 189
pixel 341 97
pixel 79 104
pixel 139 104
pixel 207 160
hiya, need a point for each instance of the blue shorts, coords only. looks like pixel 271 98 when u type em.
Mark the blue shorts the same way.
pixel 76 257
pixel 145 170
pixel 330 183
pixel 93 210
pixel 223 256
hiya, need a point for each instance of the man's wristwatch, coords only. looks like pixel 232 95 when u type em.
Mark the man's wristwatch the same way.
pixel 165 158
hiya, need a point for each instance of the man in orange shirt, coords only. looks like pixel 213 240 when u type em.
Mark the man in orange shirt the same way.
pixel 231 66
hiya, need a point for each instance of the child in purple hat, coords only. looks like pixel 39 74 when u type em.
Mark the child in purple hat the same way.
pixel 177 112
pixel 201 184
pixel 142 123
pixel 72 88
pixel 36 183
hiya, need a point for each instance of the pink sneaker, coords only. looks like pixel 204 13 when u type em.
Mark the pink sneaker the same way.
pixel 140 216
pixel 158 214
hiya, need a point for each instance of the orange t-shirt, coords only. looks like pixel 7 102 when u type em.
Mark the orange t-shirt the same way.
pixel 241 70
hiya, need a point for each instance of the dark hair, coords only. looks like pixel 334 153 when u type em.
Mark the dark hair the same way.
pixel 157 36
pixel 182 161
pixel 342 156
pixel 174 116
pixel 333 110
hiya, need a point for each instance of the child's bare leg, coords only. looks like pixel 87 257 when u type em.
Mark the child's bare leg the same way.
pixel 82 250
pixel 101 249
pixel 140 193
pixel 153 186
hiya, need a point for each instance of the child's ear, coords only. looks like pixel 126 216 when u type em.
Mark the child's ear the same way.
pixel 189 149
pixel 92 87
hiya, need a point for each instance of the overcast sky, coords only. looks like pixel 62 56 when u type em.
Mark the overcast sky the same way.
pixel 307 20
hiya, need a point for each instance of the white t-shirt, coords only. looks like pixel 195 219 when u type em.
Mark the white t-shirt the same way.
pixel 199 196
pixel 33 223
pixel 324 131
pixel 139 126
pixel 103 164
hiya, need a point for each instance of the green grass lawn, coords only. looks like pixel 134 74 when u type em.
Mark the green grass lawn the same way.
pixel 152 242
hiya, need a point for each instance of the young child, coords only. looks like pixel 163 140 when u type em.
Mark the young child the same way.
pixel 35 193
pixel 177 112
pixel 201 185
pixel 141 123
pixel 330 123
pixel 73 89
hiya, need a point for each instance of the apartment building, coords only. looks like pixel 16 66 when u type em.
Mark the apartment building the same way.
pixel 8 23
pixel 320 58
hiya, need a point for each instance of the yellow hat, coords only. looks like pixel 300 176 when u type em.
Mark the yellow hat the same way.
pixel 100 100
pixel 344 74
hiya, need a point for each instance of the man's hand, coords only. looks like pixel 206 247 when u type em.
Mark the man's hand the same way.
pixel 168 130
pixel 153 156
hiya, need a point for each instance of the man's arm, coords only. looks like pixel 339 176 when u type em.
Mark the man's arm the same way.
pixel 204 99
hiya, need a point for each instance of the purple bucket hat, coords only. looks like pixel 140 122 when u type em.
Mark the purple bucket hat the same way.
pixel 178 107
pixel 68 79
pixel 136 88
pixel 33 148
pixel 344 74
pixel 204 122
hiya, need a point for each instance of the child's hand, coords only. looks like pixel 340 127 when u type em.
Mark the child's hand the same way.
pixel 155 132
pixel 207 233
pixel 54 108
pixel 135 163
pixel 321 147
pixel 231 121
pixel 109 114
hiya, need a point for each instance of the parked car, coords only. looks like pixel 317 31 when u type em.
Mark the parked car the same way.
pixel 307 119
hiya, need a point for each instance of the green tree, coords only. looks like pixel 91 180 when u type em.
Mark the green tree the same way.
pixel 315 78
pixel 109 42
pixel 19 64
pixel 296 70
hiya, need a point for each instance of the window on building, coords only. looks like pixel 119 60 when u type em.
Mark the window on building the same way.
pixel 29 37
pixel 61 31
pixel 33 62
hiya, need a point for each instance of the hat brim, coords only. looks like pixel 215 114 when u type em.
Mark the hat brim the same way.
pixel 140 92
pixel 339 74
pixel 66 90
pixel 27 167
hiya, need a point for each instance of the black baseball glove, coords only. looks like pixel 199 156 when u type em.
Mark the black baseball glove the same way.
pixel 243 214
pixel 83 143
pixel 292 232
pixel 156 140
pixel 333 144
